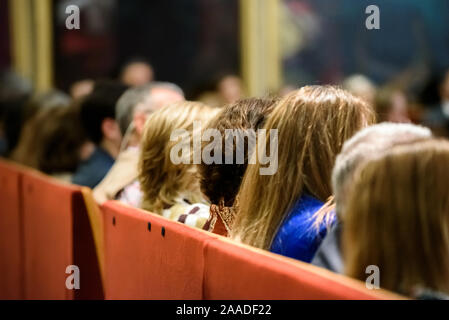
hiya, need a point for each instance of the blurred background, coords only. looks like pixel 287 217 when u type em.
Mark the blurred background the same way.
pixel 237 48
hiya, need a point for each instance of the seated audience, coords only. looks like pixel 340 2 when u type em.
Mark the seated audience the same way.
pixel 132 110
pixel 364 145
pixel 275 211
pixel 397 219
pixel 168 188
pixel 220 182
pixel 98 120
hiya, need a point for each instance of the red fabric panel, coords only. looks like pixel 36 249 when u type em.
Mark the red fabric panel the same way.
pixel 57 234
pixel 234 272
pixel 143 264
pixel 48 237
pixel 11 260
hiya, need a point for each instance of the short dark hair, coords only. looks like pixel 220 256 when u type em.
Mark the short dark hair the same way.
pixel 100 105
pixel 222 181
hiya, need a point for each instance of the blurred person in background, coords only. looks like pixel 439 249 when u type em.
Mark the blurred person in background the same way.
pixel 365 144
pixel 277 212
pixel 391 105
pixel 81 88
pixel 61 143
pixel 137 73
pixel 438 117
pixel 55 143
pixel 12 110
pixel 98 121
pixel 14 93
pixel 132 110
pixel 230 88
pixel 168 189
pixel 397 218
pixel 361 87
pixel 33 119
pixel 220 182
pixel 226 89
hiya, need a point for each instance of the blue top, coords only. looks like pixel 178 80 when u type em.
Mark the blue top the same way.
pixel 297 237
pixel 93 170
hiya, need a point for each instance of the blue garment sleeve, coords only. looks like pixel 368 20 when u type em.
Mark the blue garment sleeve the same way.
pixel 297 237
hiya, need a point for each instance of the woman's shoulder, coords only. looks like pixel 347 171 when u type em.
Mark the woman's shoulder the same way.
pixel 297 236
pixel 301 214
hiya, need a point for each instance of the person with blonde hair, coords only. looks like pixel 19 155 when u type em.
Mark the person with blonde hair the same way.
pixel 275 211
pixel 169 188
pixel 397 219
pixel 364 145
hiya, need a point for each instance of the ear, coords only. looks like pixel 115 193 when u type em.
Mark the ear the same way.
pixel 139 120
pixel 111 130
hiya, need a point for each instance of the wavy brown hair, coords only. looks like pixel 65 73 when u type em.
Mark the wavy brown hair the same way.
pixel 397 218
pixel 221 182
pixel 313 123
pixel 162 181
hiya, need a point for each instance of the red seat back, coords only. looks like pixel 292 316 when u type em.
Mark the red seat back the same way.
pixel 239 272
pixel 144 262
pixel 11 260
pixel 57 234
pixel 149 257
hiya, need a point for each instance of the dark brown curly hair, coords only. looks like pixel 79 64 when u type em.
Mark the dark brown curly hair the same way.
pixel 221 182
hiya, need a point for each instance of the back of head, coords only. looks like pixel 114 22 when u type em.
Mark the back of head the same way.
pixel 365 144
pixel 160 179
pixel 98 106
pixel 60 142
pixel 140 98
pixel 397 218
pixel 47 100
pixel 312 124
pixel 35 112
pixel 222 181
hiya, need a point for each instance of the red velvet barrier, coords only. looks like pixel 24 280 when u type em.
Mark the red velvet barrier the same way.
pixel 57 234
pixel 149 257
pixel 242 273
pixel 11 260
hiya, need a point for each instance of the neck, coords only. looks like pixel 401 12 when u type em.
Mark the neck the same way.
pixel 110 148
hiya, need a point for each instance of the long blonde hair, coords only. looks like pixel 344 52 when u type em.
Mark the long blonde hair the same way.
pixel 397 218
pixel 313 123
pixel 163 182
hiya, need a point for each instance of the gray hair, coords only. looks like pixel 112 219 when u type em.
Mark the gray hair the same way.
pixel 365 145
pixel 126 105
